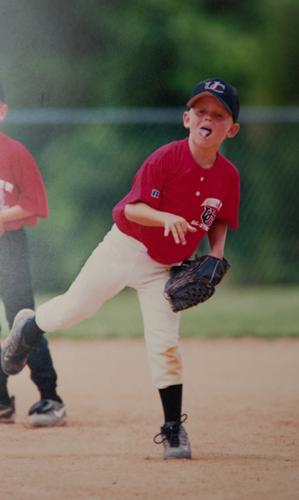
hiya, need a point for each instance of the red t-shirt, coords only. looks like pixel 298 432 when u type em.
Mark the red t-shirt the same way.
pixel 171 180
pixel 20 183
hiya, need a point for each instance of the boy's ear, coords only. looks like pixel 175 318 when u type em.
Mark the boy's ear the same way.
pixel 186 119
pixel 234 129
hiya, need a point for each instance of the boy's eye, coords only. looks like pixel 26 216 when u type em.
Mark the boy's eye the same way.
pixel 203 111
pixel 218 116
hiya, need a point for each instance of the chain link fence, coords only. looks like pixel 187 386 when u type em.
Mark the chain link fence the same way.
pixel 88 159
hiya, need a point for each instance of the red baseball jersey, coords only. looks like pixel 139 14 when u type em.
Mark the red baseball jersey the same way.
pixel 20 183
pixel 171 180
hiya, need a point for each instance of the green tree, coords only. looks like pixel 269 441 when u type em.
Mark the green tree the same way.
pixel 133 53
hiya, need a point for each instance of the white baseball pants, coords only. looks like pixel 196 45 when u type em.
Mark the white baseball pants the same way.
pixel 120 261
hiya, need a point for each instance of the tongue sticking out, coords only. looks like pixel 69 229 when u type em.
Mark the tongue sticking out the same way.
pixel 205 132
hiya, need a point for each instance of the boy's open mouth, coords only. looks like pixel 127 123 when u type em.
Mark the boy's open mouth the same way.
pixel 205 131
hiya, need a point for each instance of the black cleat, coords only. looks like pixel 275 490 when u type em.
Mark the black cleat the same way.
pixel 8 412
pixel 47 413
pixel 175 440
pixel 15 351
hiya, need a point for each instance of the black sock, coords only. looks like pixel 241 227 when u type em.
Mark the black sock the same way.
pixel 4 396
pixel 32 332
pixel 171 398
pixel 50 394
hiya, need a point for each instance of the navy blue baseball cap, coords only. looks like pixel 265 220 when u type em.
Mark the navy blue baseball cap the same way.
pixel 223 91
pixel 2 93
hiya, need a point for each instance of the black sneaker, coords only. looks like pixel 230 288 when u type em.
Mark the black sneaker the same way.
pixel 175 439
pixel 15 351
pixel 47 413
pixel 8 412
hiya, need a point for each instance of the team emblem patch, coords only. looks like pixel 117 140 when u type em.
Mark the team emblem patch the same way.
pixel 211 207
pixel 155 193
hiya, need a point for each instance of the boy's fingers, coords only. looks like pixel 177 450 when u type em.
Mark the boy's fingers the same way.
pixel 175 234
pixel 190 228
pixel 181 234
pixel 178 231
pixel 182 230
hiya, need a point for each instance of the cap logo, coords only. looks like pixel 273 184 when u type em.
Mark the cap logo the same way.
pixel 216 86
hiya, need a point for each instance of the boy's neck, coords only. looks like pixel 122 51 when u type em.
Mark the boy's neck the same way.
pixel 204 157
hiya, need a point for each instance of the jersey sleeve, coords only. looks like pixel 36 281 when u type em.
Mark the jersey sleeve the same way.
pixel 148 183
pixel 31 190
pixel 229 212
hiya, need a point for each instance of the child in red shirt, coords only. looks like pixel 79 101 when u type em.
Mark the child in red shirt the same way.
pixel 183 191
pixel 22 201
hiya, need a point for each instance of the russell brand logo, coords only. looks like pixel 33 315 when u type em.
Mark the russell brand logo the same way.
pixel 155 193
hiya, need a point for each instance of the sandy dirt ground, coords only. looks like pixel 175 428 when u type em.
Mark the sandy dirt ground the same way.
pixel 242 400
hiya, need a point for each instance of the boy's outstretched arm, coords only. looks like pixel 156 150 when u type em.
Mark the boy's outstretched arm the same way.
pixel 217 238
pixel 143 214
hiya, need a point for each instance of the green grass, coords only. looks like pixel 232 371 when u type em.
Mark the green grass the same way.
pixel 232 312
pixel 259 312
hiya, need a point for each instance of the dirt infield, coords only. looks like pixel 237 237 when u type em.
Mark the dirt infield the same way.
pixel 242 398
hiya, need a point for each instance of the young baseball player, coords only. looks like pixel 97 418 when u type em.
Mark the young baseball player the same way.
pixel 22 201
pixel 184 191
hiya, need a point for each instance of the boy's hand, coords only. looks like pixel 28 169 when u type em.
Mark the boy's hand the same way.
pixel 147 216
pixel 178 227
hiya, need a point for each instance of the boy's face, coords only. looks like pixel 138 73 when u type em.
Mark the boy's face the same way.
pixel 209 123
pixel 3 110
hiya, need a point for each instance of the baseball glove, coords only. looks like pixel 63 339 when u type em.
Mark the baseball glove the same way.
pixel 194 281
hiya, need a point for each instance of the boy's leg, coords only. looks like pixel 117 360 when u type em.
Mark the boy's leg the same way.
pixel 102 277
pixel 161 328
pixel 4 396
pixel 42 370
pixel 171 398
pixel 17 294
pixel 50 409
pixel 7 405
pixel 7 410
